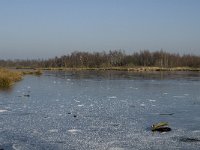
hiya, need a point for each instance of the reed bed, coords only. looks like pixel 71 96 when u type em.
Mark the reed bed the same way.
pixel 9 77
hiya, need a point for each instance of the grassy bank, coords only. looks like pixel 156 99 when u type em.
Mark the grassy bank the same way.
pixel 8 77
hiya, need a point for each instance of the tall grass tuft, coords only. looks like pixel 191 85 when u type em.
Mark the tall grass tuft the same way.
pixel 8 77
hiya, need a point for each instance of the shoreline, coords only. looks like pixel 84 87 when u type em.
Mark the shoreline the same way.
pixel 131 69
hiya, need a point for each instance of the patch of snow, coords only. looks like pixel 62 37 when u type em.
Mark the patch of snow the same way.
pixel 113 97
pixel 3 110
pixel 73 131
pixel 116 148
pixel 16 147
pixel 178 96
pixel 76 101
pixel 53 130
pixel 196 131
pixel 152 100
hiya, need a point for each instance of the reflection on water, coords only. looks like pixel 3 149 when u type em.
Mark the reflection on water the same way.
pixel 7 90
pixel 112 75
pixel 101 110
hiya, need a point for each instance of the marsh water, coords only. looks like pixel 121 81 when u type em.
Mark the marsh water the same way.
pixel 101 110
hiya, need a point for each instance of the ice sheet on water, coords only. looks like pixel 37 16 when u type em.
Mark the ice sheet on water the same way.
pixel 114 124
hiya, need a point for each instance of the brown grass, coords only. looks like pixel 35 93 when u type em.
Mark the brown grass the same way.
pixel 8 77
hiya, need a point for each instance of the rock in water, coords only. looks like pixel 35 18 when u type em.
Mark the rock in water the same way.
pixel 26 95
pixel 160 127
pixel 163 129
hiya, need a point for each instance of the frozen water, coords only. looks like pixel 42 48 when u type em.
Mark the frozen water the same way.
pixel 101 111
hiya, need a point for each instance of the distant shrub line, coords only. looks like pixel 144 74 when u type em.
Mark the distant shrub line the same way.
pixel 110 59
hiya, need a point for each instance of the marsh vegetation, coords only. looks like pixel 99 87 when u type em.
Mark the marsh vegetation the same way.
pixel 113 60
pixel 8 77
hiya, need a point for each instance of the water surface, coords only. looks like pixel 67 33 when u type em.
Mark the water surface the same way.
pixel 91 110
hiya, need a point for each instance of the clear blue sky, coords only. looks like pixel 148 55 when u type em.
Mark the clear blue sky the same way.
pixel 48 28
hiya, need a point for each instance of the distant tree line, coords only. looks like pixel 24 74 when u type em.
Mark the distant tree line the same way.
pixel 115 58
